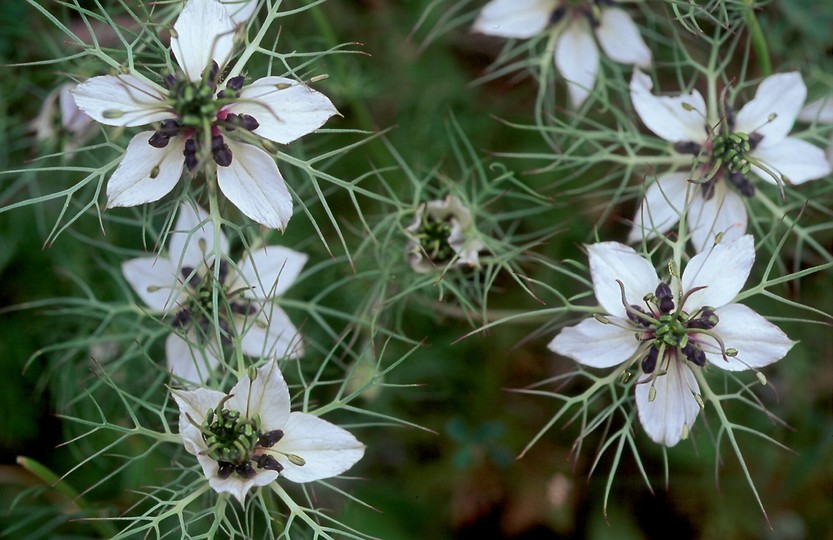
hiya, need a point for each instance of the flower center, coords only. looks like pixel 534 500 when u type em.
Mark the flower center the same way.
pixel 236 442
pixel 198 310
pixel 671 330
pixel 433 239
pixel 196 109
pixel 591 9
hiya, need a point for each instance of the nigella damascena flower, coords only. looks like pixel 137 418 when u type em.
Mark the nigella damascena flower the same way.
pixel 181 286
pixel 59 114
pixel 820 110
pixel 671 329
pixel 240 11
pixel 753 141
pixel 576 53
pixel 249 438
pixel 204 119
pixel 442 232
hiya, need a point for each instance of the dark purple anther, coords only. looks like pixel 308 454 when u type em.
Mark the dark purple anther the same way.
pixel 665 298
pixel 245 470
pixel 236 83
pixel 268 462
pixel 220 151
pixel 743 184
pixel 649 363
pixel 694 354
pixel 706 321
pixel 268 439
pixel 190 154
pixel 225 470
pixel 687 147
pixel 159 140
pixel 248 122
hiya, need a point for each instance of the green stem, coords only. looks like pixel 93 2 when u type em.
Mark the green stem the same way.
pixel 758 39
pixel 730 433
pixel 105 528
pixel 779 214
pixel 361 113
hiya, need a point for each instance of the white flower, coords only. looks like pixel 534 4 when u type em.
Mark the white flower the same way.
pixel 671 330
pixel 73 121
pixel 248 437
pixel 442 232
pixel 753 140
pixel 202 120
pixel 820 110
pixel 240 11
pixel 180 285
pixel 576 54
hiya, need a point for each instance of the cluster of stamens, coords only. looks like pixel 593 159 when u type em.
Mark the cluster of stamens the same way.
pixel 668 330
pixel 433 239
pixel 591 9
pixel 198 311
pixel 237 443
pixel 197 109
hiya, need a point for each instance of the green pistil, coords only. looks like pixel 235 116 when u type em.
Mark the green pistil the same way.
pixel 672 331
pixel 230 437
pixel 433 238
pixel 194 103
pixel 732 151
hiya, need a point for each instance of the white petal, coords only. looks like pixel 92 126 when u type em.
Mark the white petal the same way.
pixel 189 362
pixel 514 18
pixel 240 11
pixel 723 213
pixel 192 238
pixel 797 160
pixel 577 58
pixel 758 341
pixel 611 262
pixel 773 110
pixel 674 406
pixel 327 450
pixel 620 38
pixel 661 208
pixel 235 484
pixel 122 100
pixel 595 344
pixel 73 119
pixel 146 173
pixel 156 281
pixel 820 110
pixel 722 270
pixel 268 272
pixel 269 334
pixel 675 119
pixel 255 186
pixel 285 109
pixel 202 33
pixel 193 404
pixel 267 396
